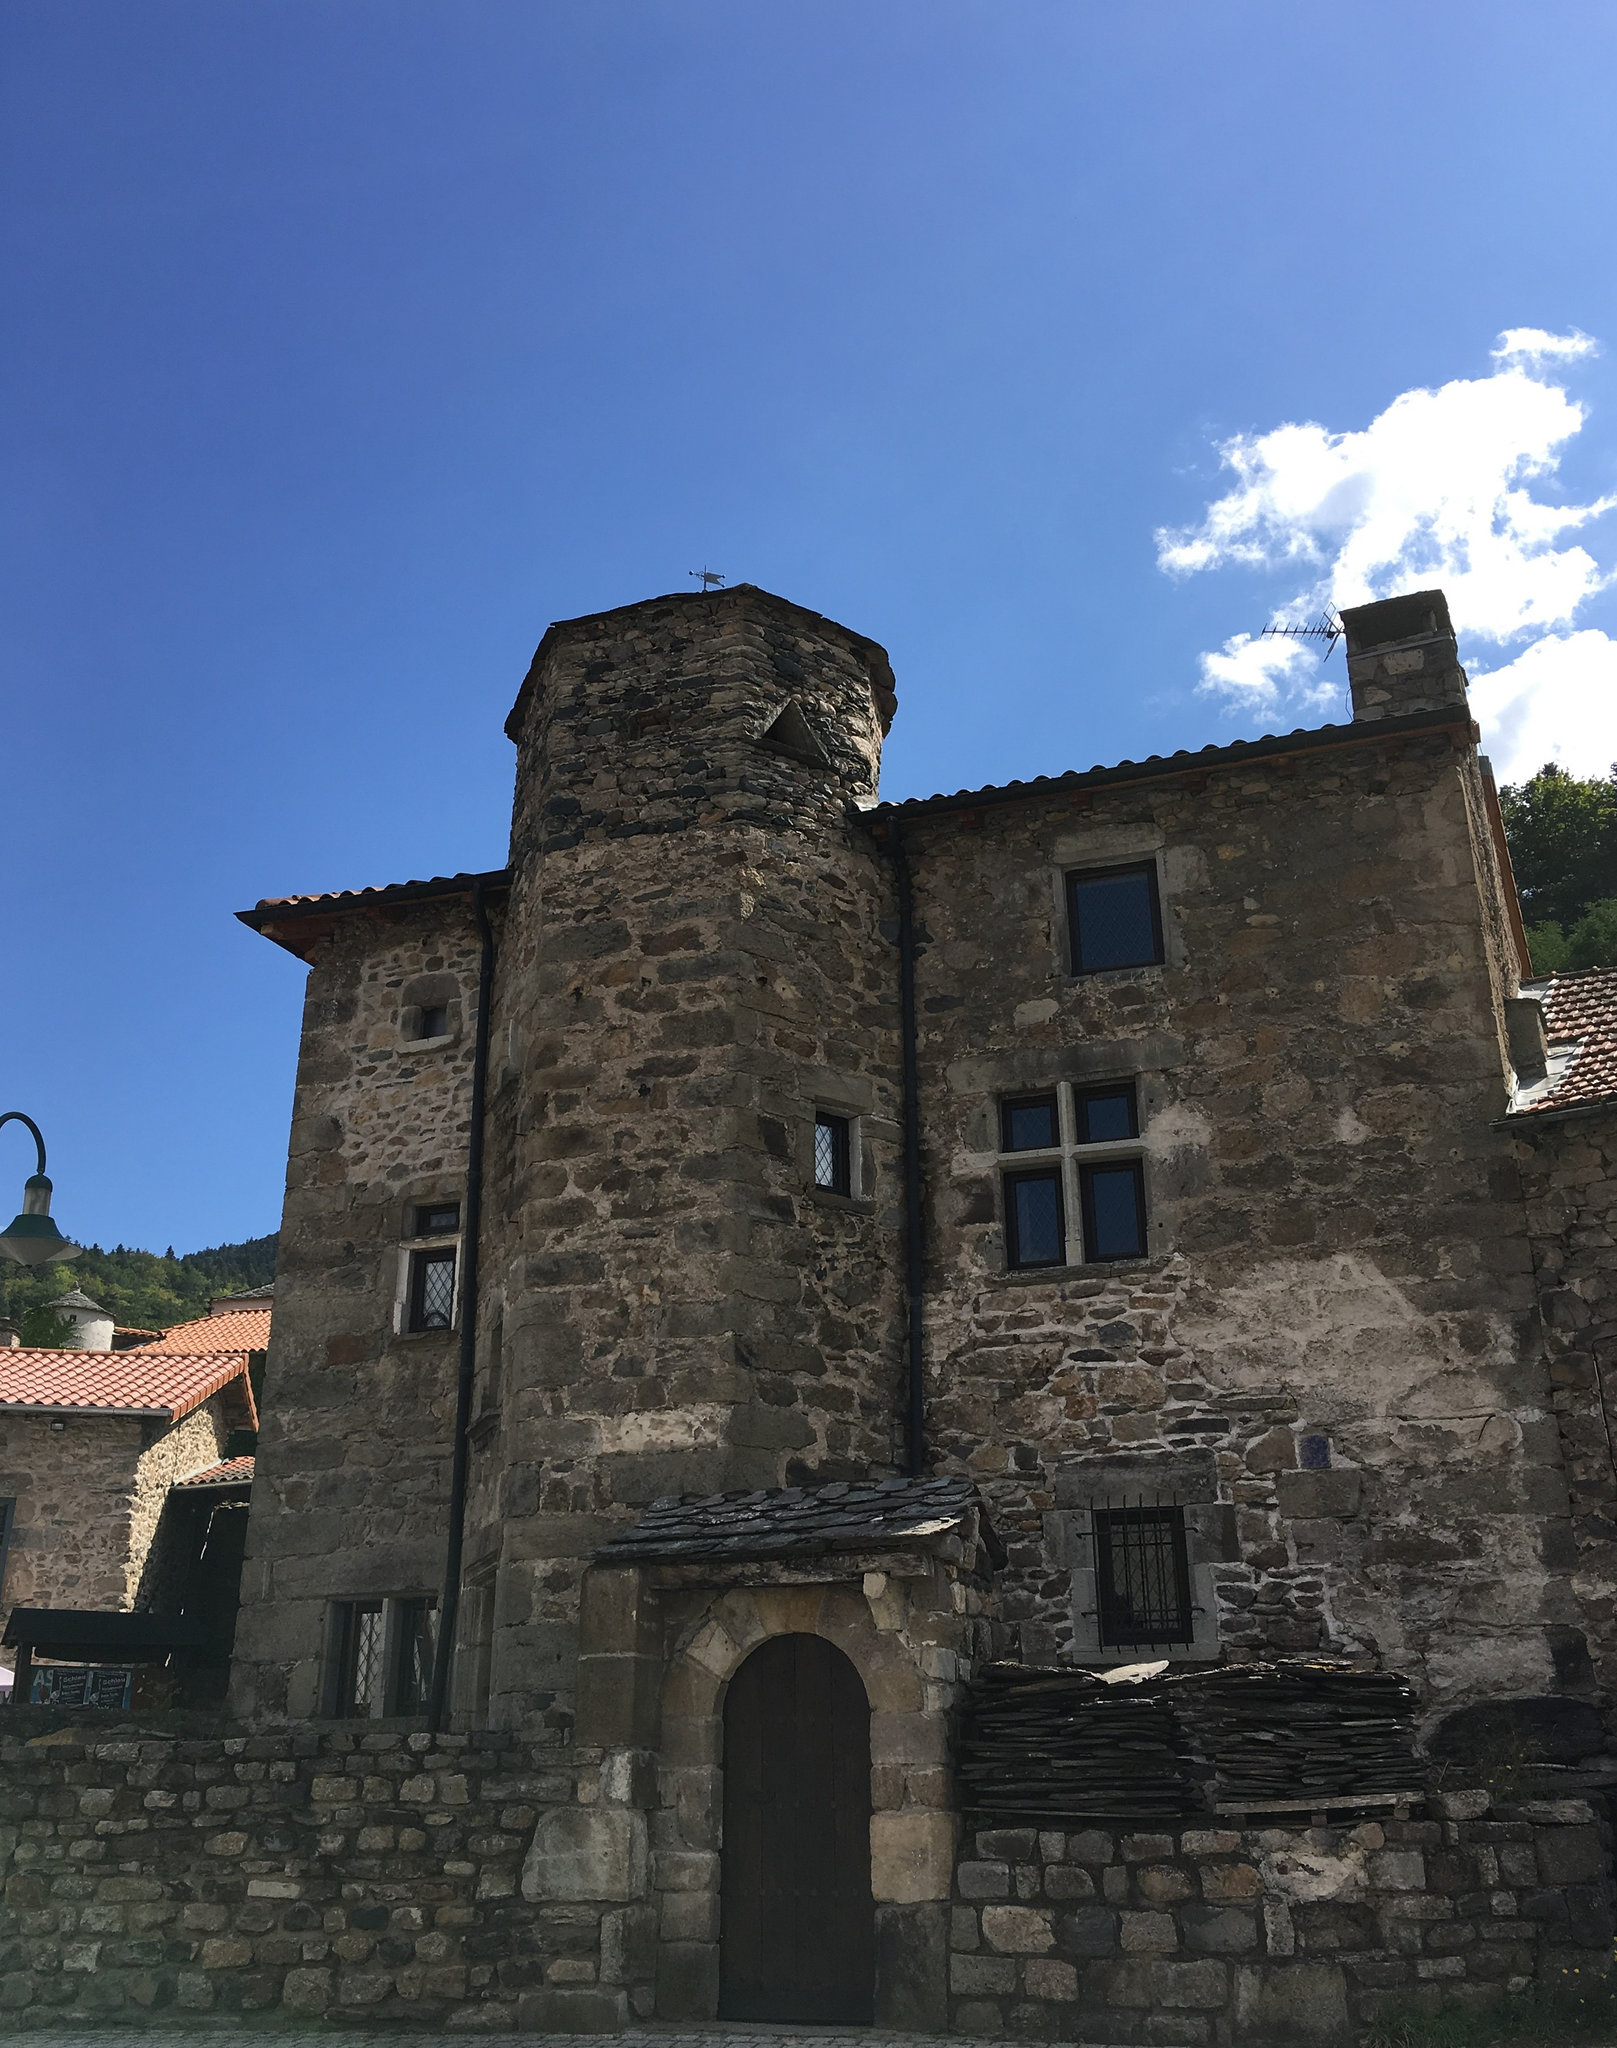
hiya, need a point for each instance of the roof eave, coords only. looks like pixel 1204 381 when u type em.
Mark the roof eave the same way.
pixel 297 923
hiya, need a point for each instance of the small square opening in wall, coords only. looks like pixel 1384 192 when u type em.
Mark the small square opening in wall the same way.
pixel 833 1153
pixel 1035 1219
pixel 436 1219
pixel 1029 1124
pixel 431 1021
pixel 1115 918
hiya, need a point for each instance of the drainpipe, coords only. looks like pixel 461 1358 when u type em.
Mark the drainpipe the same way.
pixel 449 1605
pixel 914 1248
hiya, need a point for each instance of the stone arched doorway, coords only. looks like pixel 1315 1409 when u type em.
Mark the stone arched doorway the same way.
pixel 797 1918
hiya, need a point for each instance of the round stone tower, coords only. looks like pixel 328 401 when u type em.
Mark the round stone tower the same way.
pixel 693 970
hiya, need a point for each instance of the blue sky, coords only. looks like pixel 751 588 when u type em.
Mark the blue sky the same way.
pixel 343 346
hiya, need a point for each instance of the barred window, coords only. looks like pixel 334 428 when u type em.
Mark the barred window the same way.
pixel 1142 1576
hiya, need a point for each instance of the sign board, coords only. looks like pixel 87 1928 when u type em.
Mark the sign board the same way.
pixel 81 1685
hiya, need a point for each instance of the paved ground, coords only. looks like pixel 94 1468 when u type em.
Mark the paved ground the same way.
pixel 732 2034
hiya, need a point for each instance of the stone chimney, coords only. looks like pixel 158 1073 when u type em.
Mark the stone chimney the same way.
pixel 1402 657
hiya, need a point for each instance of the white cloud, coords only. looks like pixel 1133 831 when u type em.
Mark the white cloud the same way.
pixel 1557 701
pixel 1439 489
pixel 1538 345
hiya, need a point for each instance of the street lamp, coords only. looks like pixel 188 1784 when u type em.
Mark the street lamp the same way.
pixel 32 1239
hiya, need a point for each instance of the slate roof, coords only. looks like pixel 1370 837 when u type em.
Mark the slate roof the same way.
pixel 793 1521
pixel 1155 767
pixel 145 1381
pixel 1580 1020
pixel 233 1472
pixel 239 1329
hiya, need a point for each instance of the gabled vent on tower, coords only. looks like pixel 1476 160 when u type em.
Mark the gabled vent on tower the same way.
pixel 790 734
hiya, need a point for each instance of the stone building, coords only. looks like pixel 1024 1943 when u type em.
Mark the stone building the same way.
pixel 767 1254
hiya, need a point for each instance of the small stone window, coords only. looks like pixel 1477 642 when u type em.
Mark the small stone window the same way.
pixel 431 1301
pixel 436 1219
pixel 381 1657
pixel 833 1152
pixel 432 1021
pixel 1114 918
pixel 1142 1577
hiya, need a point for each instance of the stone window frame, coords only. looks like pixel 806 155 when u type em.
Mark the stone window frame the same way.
pixel 412 1246
pixel 1093 849
pixel 1187 1480
pixel 394 1608
pixel 852 1100
pixel 1069 1156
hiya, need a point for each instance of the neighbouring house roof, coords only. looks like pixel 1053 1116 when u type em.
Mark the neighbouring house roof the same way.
pixel 146 1381
pixel 796 1521
pixel 296 922
pixel 76 1297
pixel 222 1302
pixel 242 1329
pixel 1580 1023
pixel 233 1472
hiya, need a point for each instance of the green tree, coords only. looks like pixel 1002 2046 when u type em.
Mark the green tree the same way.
pixel 1592 941
pixel 1562 833
pixel 44 1330
pixel 142 1290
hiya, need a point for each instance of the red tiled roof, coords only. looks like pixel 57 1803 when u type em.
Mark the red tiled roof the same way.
pixel 237 1329
pixel 1581 1010
pixel 141 1382
pixel 233 1472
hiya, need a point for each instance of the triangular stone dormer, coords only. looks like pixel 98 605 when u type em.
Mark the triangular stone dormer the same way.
pixel 790 734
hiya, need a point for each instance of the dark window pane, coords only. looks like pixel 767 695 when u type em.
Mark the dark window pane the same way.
pixel 413 1651
pixel 1105 1113
pixel 1142 1576
pixel 832 1154
pixel 1033 1219
pixel 1115 920
pixel 437 1219
pixel 432 1290
pixel 1028 1125
pixel 433 1021
pixel 1114 1211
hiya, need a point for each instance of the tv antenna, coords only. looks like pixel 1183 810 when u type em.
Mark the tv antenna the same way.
pixel 1327 627
pixel 710 579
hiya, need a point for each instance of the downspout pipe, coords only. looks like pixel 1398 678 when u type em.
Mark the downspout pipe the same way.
pixel 914 1245
pixel 471 1233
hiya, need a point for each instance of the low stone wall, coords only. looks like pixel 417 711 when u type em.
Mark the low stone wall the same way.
pixel 392 1877
pixel 1294 1934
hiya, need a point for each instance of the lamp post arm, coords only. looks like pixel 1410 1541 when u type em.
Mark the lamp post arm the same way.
pixel 16 1115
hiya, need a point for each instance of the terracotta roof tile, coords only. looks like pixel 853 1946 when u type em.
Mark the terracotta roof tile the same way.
pixel 237 1329
pixel 1580 1019
pixel 233 1472
pixel 141 1382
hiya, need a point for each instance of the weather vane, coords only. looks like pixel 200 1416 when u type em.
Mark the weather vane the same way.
pixel 1327 627
pixel 710 579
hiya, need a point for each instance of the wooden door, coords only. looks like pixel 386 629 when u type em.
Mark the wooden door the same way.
pixel 798 1924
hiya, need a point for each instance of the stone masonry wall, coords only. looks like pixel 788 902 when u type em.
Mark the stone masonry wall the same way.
pixel 89 1491
pixel 353 1457
pixel 1288 1933
pixel 694 961
pixel 1569 1168
pixel 390 1877
pixel 1337 1313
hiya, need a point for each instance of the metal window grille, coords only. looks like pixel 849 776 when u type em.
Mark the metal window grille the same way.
pixel 1142 1576
pixel 361 1658
pixel 432 1290
pixel 832 1154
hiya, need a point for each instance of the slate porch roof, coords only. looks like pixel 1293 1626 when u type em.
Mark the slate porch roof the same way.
pixel 795 1521
pixel 1580 1022
pixel 145 1381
